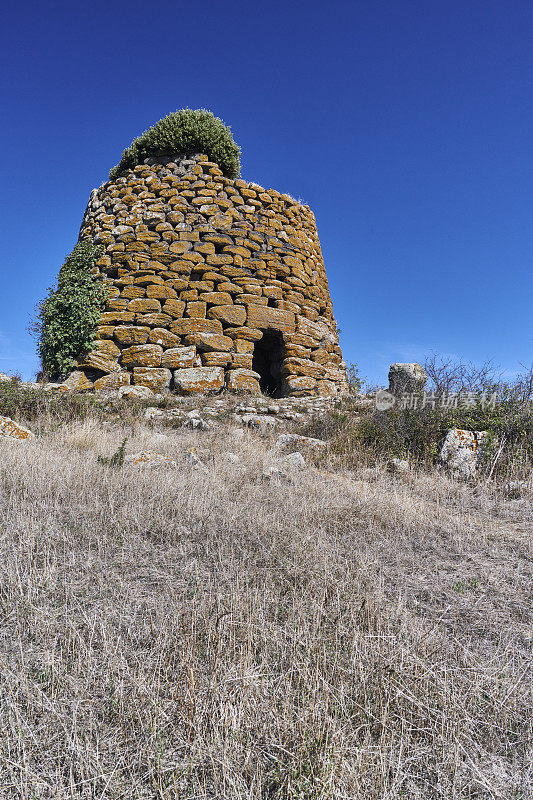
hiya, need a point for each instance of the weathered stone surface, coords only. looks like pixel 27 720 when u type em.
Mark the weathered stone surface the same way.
pixel 289 439
pixel 135 392
pixel 228 315
pixel 9 429
pixel 199 380
pixel 252 334
pixel 155 378
pixel 190 252
pixel 144 305
pixel 293 461
pixel 174 308
pixel 299 385
pixel 210 341
pixel 183 327
pixel 142 355
pixel 264 317
pixel 98 360
pixel 127 335
pixel 107 346
pixel 178 357
pixel 149 459
pixel 461 450
pixel 326 388
pixel 216 359
pixel 114 381
pixel 302 366
pixel 406 378
pixel 154 320
pixel 77 382
pixel 243 380
pixel 163 337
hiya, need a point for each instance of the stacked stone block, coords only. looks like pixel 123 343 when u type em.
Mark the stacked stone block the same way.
pixel 208 278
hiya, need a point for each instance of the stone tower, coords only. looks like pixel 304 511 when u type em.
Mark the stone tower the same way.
pixel 212 282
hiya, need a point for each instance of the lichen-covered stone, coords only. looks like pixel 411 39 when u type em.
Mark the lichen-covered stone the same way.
pixel 108 383
pixel 406 378
pixel 199 380
pixel 127 335
pixel 142 355
pixel 9 429
pixel 210 341
pixel 228 315
pixel 155 378
pixel 78 382
pixel 243 380
pixel 264 317
pixel 178 357
pixel 100 361
pixel 187 253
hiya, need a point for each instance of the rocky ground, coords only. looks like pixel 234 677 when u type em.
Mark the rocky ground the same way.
pixel 197 602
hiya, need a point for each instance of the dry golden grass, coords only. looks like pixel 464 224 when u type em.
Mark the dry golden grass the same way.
pixel 173 634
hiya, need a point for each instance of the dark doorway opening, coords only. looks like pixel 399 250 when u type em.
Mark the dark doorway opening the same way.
pixel 267 358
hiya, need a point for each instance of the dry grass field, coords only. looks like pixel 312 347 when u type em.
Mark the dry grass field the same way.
pixel 184 635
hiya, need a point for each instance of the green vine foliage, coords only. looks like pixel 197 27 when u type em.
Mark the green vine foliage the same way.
pixel 67 318
pixel 183 132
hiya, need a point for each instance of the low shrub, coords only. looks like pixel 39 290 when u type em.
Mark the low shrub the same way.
pixel 361 435
pixel 28 404
pixel 184 132
pixel 66 320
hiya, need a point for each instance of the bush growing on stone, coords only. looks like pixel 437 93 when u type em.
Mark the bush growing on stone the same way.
pixel 67 318
pixel 184 132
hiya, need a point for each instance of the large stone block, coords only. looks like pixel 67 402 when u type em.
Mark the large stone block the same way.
pixel 406 378
pixel 302 366
pixel 264 317
pixel 155 378
pixel 98 360
pixel 184 327
pixel 108 383
pixel 178 357
pixel 142 355
pixel 243 380
pixel 144 305
pixel 228 315
pixel 131 334
pixel 199 380
pixel 163 337
pixel 210 341
pixel 298 385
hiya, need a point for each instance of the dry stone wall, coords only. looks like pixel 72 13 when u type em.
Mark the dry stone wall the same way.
pixel 212 282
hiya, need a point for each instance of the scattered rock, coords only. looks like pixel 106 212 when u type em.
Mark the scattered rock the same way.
pixel 406 378
pixel 398 465
pixel 460 451
pixel 198 424
pixel 257 422
pixel 140 392
pixel 294 461
pixel 9 429
pixel 148 458
pixel 191 458
pixel 287 439
pixel 77 382
pixel 514 490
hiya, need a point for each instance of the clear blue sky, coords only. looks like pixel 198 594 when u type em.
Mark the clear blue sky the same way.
pixel 407 126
